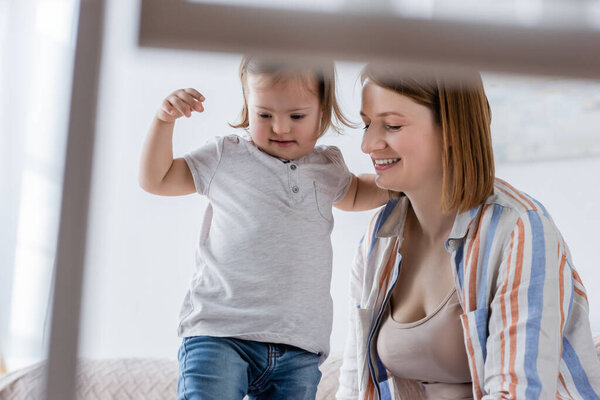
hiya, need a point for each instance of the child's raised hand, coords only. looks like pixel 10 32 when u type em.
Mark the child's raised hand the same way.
pixel 179 103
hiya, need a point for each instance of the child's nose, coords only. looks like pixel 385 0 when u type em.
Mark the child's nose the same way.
pixel 281 127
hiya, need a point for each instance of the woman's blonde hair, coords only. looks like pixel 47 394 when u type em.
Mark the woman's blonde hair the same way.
pixel 323 74
pixel 460 107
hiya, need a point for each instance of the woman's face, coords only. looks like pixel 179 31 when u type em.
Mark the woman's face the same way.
pixel 402 138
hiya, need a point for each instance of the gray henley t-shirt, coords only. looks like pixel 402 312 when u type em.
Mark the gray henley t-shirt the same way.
pixel 264 257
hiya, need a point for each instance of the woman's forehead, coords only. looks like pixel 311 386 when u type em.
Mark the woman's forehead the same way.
pixel 379 100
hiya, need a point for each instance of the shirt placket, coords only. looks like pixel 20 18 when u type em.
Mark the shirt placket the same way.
pixel 294 184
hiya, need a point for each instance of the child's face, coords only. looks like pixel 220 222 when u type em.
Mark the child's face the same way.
pixel 284 118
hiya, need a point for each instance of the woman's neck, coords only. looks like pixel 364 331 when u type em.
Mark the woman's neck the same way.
pixel 427 217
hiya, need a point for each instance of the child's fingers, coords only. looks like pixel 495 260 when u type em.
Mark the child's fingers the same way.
pixel 190 100
pixel 195 94
pixel 181 106
pixel 168 108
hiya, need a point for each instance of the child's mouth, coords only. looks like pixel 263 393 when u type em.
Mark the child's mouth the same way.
pixel 283 143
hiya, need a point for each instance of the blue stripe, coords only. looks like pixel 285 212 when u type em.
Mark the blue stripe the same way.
pixel 382 379
pixel 540 206
pixel 572 292
pixel 473 211
pixel 458 260
pixel 381 218
pixel 381 372
pixel 580 379
pixel 482 292
pixel 385 391
pixel 535 300
pixel 376 324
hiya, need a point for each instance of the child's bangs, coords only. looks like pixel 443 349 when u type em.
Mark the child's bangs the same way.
pixel 307 79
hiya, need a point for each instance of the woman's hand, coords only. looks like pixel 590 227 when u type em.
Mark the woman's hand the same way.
pixel 179 103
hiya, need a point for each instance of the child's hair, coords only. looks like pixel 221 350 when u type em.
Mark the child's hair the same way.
pixel 460 107
pixel 323 74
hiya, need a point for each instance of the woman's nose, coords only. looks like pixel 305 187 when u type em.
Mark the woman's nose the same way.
pixel 372 140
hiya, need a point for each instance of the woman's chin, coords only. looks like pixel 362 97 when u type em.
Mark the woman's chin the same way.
pixel 383 183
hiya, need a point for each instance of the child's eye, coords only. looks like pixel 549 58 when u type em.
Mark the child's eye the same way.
pixel 297 116
pixel 393 127
pixel 365 127
pixel 263 115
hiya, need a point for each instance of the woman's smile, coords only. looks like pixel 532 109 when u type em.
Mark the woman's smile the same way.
pixel 382 164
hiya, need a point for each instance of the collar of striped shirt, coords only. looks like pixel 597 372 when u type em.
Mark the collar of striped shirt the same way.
pixel 394 223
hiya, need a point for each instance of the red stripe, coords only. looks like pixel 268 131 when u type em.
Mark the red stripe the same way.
pixel 471 350
pixel 370 392
pixel 387 272
pixel 562 380
pixel 514 307
pixel 577 290
pixel 518 193
pixel 513 197
pixel 561 286
pixel 577 278
pixel 581 293
pixel 369 236
pixel 503 309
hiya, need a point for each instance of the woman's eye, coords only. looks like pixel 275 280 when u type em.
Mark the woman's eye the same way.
pixel 262 115
pixel 365 127
pixel 297 116
pixel 393 127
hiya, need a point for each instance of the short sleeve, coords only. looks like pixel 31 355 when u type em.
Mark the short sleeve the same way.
pixel 343 175
pixel 203 163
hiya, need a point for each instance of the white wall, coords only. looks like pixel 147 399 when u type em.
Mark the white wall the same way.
pixel 141 247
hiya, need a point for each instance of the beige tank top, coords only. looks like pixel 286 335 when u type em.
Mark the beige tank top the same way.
pixel 430 350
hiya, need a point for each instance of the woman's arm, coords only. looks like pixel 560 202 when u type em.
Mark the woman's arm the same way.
pixel 527 314
pixel 363 194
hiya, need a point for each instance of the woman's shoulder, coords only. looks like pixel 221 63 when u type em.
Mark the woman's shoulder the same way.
pixel 508 207
pixel 514 200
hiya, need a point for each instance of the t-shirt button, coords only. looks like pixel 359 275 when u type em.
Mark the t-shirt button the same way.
pixel 295 189
pixel 293 166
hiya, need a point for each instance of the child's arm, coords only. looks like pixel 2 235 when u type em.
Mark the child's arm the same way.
pixel 363 194
pixel 159 172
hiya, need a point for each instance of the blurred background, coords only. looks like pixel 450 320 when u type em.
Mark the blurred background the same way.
pixel 141 247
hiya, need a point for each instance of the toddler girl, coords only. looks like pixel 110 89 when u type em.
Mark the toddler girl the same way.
pixel 257 316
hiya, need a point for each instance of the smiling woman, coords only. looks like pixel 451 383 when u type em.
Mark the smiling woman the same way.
pixel 459 257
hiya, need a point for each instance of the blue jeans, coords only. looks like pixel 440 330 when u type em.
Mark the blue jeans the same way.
pixel 218 368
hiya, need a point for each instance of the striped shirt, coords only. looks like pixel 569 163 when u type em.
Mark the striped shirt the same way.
pixel 526 317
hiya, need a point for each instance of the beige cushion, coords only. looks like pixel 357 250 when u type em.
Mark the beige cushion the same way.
pixel 128 379
pixel 151 379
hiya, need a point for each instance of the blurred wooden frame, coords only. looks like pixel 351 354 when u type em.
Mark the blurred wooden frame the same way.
pixel 309 35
